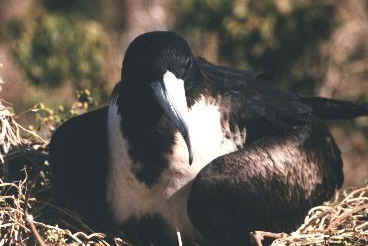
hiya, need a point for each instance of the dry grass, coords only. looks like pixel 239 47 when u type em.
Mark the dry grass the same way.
pixel 343 221
pixel 19 227
pixel 9 132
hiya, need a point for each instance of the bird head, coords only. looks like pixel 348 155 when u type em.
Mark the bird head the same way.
pixel 157 63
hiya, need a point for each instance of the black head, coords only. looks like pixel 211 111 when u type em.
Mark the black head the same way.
pixel 155 69
pixel 151 54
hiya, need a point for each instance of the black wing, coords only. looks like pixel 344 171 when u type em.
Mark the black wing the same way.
pixel 78 156
pixel 251 103
pixel 264 98
pixel 269 185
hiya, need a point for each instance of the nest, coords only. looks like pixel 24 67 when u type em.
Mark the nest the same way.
pixel 19 227
pixel 343 221
pixel 9 132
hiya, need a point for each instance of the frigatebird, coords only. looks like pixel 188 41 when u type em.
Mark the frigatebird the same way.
pixel 207 151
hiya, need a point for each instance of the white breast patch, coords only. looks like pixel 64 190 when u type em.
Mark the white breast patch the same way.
pixel 128 197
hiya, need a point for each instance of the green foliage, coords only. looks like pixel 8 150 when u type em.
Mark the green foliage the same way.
pixel 280 38
pixel 52 49
pixel 48 119
pixel 83 8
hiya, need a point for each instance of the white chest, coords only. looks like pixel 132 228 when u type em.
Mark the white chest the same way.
pixel 130 198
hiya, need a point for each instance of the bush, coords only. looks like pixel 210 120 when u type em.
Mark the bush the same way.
pixel 52 49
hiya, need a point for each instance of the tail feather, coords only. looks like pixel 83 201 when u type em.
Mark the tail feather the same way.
pixel 330 109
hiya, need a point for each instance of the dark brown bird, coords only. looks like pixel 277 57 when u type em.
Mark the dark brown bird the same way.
pixel 187 146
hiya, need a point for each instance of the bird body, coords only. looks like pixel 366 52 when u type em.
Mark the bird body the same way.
pixel 284 177
pixel 167 196
pixel 187 146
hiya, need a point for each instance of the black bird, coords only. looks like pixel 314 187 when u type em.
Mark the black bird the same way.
pixel 187 146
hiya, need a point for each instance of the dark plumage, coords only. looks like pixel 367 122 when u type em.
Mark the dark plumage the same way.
pixel 260 157
pixel 79 166
pixel 268 185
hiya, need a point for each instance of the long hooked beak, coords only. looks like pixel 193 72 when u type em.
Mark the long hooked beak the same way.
pixel 170 95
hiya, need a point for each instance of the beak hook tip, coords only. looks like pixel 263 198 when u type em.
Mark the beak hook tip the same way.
pixel 190 159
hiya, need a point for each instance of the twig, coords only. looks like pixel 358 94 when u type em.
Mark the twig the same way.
pixel 29 218
pixel 36 235
pixel 345 215
pixel 258 236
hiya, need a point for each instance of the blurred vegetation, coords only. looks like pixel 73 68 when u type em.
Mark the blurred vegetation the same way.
pixel 48 119
pixel 52 49
pixel 59 42
pixel 55 48
pixel 1 80
pixel 278 38
pixel 90 8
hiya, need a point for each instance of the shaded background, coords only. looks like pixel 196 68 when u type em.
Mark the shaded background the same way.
pixel 51 48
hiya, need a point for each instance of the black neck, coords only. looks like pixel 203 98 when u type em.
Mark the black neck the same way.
pixel 150 134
